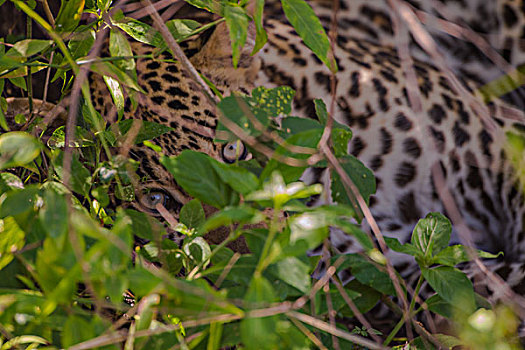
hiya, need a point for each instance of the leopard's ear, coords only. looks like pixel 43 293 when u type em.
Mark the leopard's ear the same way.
pixel 215 59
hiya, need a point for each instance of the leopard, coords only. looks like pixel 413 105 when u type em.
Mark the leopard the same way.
pixel 400 145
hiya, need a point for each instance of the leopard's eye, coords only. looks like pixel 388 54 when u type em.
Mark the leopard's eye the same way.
pixel 233 151
pixel 151 199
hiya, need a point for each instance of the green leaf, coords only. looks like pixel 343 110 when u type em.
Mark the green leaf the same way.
pixel 83 138
pixel 432 234
pixel 120 47
pixel 237 22
pixel 233 108
pixel 69 15
pixel 17 149
pixel 144 226
pixel 80 180
pixel 204 4
pixel 241 214
pixel 28 47
pixel 320 110
pixel 259 333
pixel 139 31
pixel 309 28
pixel 105 68
pixel 76 329
pixel 260 34
pixel 117 94
pixel 9 182
pixel 457 254
pixel 294 272
pixel 196 175
pixel 367 273
pixel 452 285
pixel 309 139
pixel 360 175
pixel 279 193
pixel 274 102
pixel 54 215
pixel 197 249
pixel 192 214
pixel 18 202
pixel 240 179
pixel 406 248
pixel 12 238
pixel 20 82
pixel 311 227
pixel 81 43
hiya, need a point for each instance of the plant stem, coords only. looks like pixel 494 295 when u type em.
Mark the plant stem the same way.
pixel 261 265
pixel 402 320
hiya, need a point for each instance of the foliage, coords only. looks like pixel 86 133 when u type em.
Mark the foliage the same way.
pixel 77 270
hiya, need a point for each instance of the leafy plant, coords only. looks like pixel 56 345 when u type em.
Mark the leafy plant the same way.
pixel 80 269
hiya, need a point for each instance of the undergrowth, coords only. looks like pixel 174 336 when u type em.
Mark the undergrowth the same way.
pixel 79 271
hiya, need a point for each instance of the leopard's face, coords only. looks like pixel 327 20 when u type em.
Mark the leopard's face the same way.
pixel 173 99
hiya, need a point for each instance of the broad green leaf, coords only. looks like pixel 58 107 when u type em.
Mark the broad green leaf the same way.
pixel 274 102
pixel 457 254
pixel 180 29
pixel 83 138
pixel 18 81
pixel 240 214
pixel 406 248
pixel 452 285
pixel 139 31
pixel 81 43
pixel 307 139
pixel 105 68
pixel 367 273
pixel 17 149
pixel 76 330
pixel 259 333
pixel 360 175
pixel 117 94
pixel 28 47
pixel 69 15
pixel 310 227
pixel 192 214
pixel 309 28
pixel 276 191
pixel 205 4
pixel 19 201
pixel 233 108
pixel 440 306
pixel 11 239
pixel 119 47
pixel 240 179
pixel 260 34
pixel 80 180
pixel 196 175
pixel 9 182
pixel 432 234
pixel 294 272
pixel 54 215
pixel 295 125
